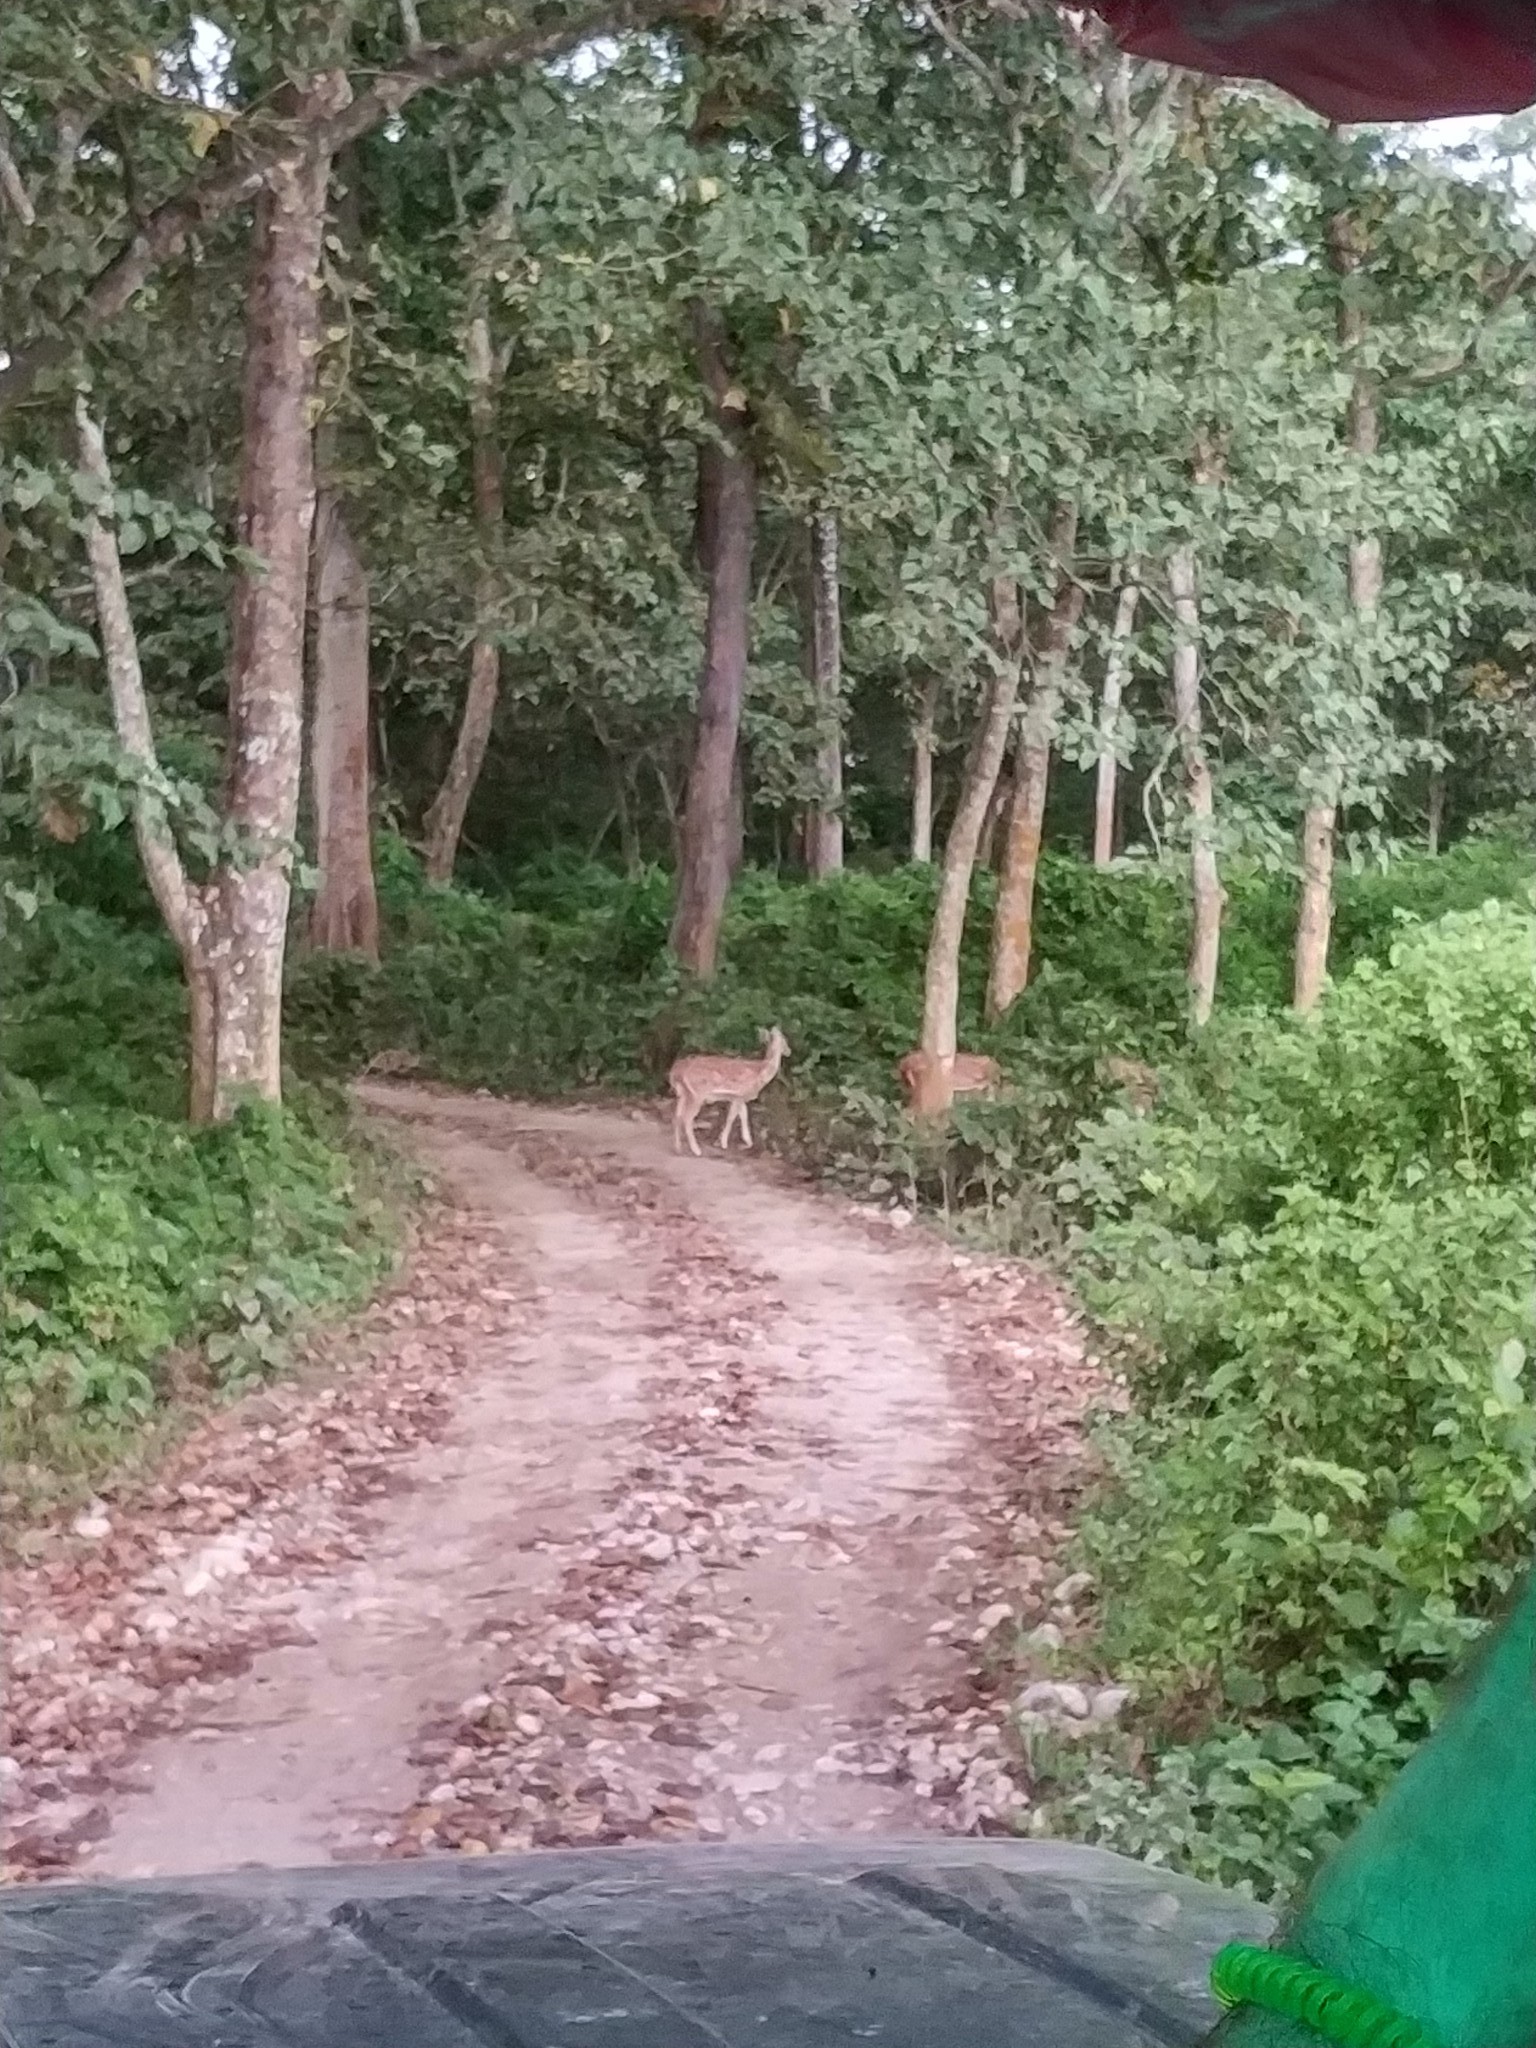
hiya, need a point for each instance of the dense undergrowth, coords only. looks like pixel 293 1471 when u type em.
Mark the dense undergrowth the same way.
pixel 1314 1260
pixel 563 981
pixel 1318 1259
pixel 147 1264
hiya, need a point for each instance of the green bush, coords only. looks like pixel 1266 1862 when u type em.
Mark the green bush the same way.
pixel 93 1011
pixel 1318 1261
pixel 129 1236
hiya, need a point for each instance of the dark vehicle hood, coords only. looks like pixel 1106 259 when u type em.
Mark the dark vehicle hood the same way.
pixel 990 1944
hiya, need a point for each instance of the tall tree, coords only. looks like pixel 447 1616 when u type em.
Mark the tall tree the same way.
pixel 728 518
pixel 1013 924
pixel 1206 889
pixel 181 903
pixel 824 652
pixel 248 897
pixel 920 845
pixel 984 763
pixel 443 826
pixel 1117 669
pixel 345 914
pixel 1346 252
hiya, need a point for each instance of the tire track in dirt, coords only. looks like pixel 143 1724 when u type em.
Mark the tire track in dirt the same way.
pixel 139 1618
pixel 721 1653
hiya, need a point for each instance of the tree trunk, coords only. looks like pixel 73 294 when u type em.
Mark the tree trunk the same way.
pixel 1365 574
pixel 729 518
pixel 12 185
pixel 1209 897
pixel 1013 924
pixel 621 777
pixel 1434 821
pixel 669 810
pixel 706 497
pixel 345 915
pixel 179 902
pixel 824 820
pixel 1116 670
pixel 629 834
pixel 248 897
pixel 988 853
pixel 922 771
pixel 595 844
pixel 984 761
pixel 737 830
pixel 1346 251
pixel 1312 926
pixel 443 825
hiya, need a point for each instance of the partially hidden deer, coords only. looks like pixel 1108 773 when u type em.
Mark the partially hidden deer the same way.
pixel 703 1077
pixel 1140 1083
pixel 975 1073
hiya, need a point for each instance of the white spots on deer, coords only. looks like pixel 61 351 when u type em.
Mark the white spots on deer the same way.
pixel 700 1078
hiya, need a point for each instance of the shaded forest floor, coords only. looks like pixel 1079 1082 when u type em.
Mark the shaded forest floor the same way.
pixel 656 1498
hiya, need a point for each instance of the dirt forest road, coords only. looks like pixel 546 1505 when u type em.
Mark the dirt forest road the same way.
pixel 659 1498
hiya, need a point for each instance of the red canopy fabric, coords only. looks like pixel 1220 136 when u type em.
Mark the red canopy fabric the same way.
pixel 1352 60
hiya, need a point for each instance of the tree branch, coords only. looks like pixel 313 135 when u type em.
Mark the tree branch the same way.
pixel 958 47
pixel 1446 372
pixel 1145 135
pixel 252 147
pixel 12 186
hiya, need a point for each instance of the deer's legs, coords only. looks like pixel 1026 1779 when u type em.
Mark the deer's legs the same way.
pixel 737 1113
pixel 682 1125
pixel 746 1128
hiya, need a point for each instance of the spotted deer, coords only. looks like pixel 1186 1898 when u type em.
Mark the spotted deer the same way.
pixel 975 1073
pixel 702 1077
pixel 391 1062
pixel 1140 1083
